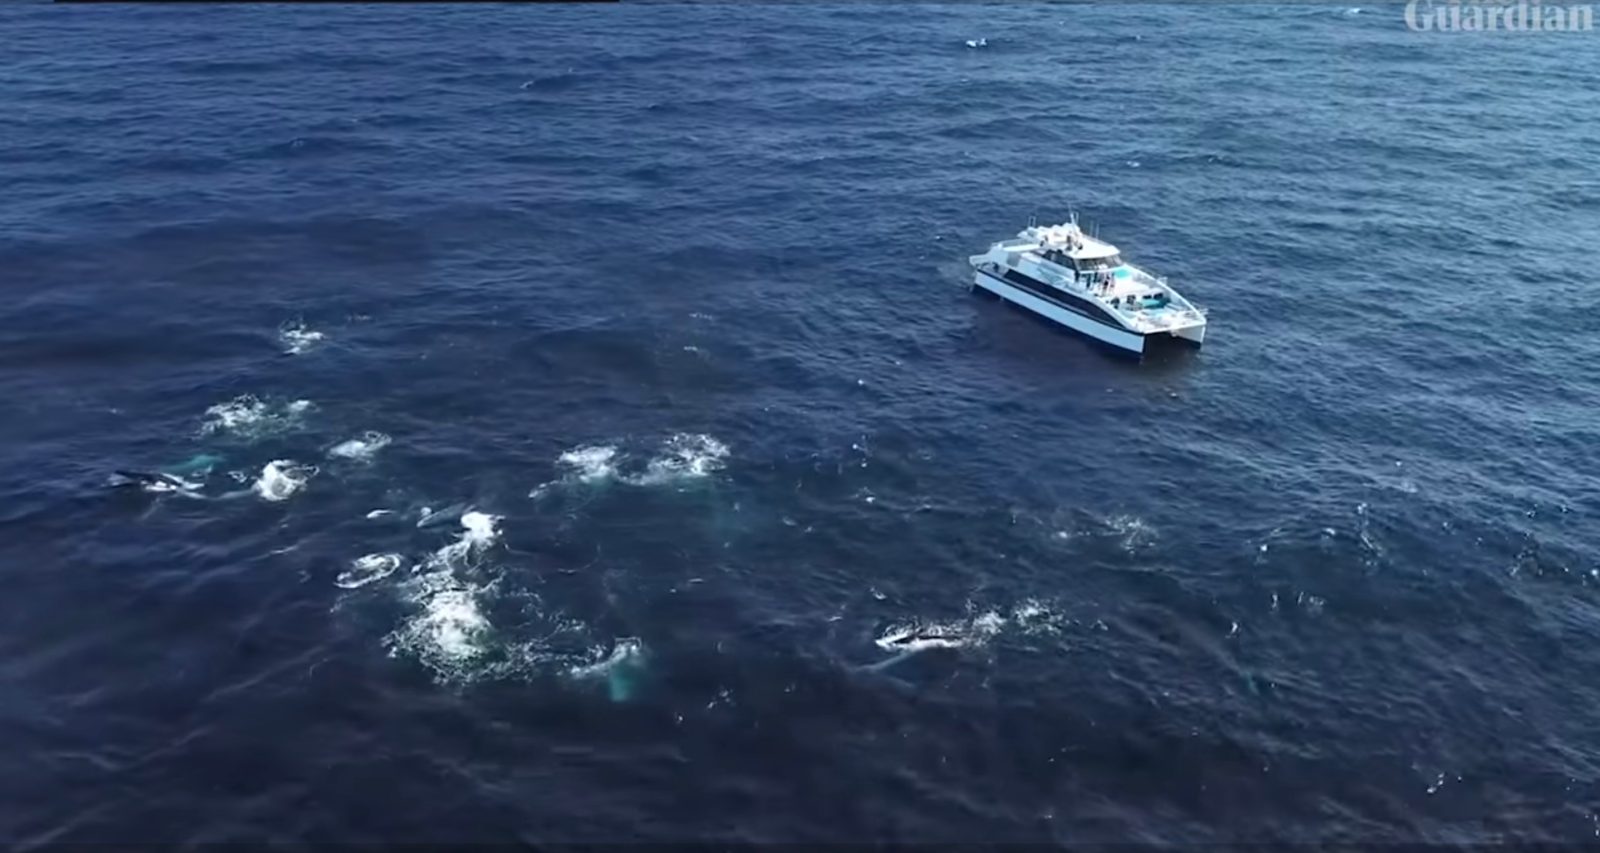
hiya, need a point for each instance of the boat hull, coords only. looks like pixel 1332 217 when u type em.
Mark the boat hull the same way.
pixel 1126 341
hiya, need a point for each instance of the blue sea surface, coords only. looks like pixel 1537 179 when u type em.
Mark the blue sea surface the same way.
pixel 588 434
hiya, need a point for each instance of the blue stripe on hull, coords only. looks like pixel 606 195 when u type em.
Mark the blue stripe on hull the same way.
pixel 1059 298
pixel 1124 350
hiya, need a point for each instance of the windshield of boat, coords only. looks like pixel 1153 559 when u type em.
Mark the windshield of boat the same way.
pixel 1096 264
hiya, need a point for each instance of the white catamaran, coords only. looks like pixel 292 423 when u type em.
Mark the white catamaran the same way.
pixel 1081 282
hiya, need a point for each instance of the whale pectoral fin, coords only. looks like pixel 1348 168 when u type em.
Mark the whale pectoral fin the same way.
pixel 143 478
pixel 882 665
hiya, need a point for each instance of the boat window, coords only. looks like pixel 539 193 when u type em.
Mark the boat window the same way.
pixel 1096 264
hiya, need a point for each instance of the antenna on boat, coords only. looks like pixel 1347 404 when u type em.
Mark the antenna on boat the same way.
pixel 1033 219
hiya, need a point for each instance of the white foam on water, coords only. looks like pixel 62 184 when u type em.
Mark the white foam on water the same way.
pixel 361 448
pixel 978 42
pixel 1029 616
pixel 1133 531
pixel 449 632
pixel 482 528
pixel 297 338
pixel 590 463
pixel 281 478
pixel 379 513
pixel 480 531
pixel 987 624
pixel 917 635
pixel 684 456
pixel 587 464
pixel 365 570
pixel 241 411
pixel 1129 532
pixel 454 624
pixel 1032 616
pixel 251 417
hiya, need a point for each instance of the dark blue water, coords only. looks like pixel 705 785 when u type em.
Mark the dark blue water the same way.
pixel 670 304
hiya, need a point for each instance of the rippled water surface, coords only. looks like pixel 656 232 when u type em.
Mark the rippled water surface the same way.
pixel 582 429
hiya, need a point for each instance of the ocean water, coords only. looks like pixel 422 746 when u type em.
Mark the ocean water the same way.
pixel 582 430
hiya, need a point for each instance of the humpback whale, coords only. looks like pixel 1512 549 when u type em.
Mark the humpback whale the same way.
pixel 155 481
pixel 430 517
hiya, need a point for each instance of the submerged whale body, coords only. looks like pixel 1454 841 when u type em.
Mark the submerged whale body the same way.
pixel 200 463
pixel 622 671
pixel 431 517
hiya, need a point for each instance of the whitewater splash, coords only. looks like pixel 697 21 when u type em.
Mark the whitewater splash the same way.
pixel 681 457
pixel 281 478
pixel 367 569
pixel 1131 533
pixel 297 338
pixel 361 448
pixel 449 631
pixel 481 531
pixel 685 456
pixel 250 417
pixel 918 635
pixel 590 464
pixel 908 638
